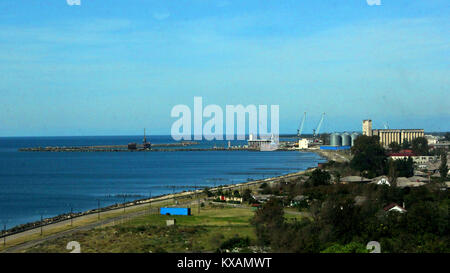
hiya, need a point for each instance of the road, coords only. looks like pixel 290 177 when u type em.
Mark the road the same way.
pixel 113 220
pixel 109 216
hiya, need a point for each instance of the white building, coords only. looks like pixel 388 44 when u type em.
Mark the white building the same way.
pixel 394 207
pixel 381 180
pixel 432 139
pixel 303 143
pixel 258 143
pixel 417 159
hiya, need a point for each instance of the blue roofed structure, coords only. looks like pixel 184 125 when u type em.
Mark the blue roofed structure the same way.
pixel 175 211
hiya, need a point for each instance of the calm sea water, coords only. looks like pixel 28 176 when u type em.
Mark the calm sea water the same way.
pixel 52 183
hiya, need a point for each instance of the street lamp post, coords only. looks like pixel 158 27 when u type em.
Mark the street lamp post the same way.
pixel 42 224
pixel 4 234
pixel 150 203
pixel 98 209
pixel 173 194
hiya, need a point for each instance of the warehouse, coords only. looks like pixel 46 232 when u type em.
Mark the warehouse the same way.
pixel 388 136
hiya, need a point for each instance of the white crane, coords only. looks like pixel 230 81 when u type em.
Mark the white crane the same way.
pixel 317 131
pixel 300 128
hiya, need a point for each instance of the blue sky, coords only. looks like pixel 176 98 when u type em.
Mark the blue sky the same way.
pixel 111 67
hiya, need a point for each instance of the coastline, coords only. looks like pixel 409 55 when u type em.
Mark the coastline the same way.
pixel 337 156
pixel 16 230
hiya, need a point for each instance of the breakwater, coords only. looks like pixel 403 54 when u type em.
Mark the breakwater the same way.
pixel 108 148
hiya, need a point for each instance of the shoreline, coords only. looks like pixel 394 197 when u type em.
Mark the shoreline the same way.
pixel 135 203
pixel 124 150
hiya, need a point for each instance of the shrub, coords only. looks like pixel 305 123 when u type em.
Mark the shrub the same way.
pixel 235 242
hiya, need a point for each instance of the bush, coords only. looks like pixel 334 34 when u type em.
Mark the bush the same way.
pixel 235 242
pixel 247 196
pixel 369 156
pixel 208 192
pixel 318 177
pixel 236 193
pixel 352 247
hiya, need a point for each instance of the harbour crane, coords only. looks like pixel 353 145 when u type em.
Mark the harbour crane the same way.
pixel 300 128
pixel 317 131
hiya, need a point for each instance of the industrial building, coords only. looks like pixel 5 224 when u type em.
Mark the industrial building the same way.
pixel 303 143
pixel 339 141
pixel 387 136
pixel 444 145
pixel 417 159
pixel 262 144
pixel 334 148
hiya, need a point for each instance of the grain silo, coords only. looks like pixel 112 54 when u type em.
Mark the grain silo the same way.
pixel 355 135
pixel 335 140
pixel 346 139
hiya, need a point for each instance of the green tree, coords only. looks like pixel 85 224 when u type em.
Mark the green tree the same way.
pixel 392 173
pixel 268 221
pixel 352 247
pixel 406 144
pixel 247 196
pixel 395 147
pixel 235 242
pixel 368 156
pixel 265 188
pixel 409 167
pixel 208 192
pixel 401 167
pixel 443 168
pixel 219 191
pixel 420 146
pixel 318 177
pixel 337 175
pixel 343 216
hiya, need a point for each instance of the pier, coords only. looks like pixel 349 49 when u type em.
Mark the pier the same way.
pixel 110 148
pixel 184 146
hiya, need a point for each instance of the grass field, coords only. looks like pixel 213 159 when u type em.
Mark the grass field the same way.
pixel 79 222
pixel 203 232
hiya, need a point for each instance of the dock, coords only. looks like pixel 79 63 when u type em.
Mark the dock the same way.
pixel 110 148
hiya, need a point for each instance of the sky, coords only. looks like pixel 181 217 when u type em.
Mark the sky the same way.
pixel 113 67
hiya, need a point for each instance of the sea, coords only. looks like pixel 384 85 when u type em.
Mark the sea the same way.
pixel 47 184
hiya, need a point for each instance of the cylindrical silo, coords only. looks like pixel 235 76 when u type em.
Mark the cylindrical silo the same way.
pixel 335 140
pixel 346 139
pixel 355 135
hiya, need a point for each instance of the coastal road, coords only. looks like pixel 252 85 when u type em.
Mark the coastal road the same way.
pixel 110 221
pixel 92 222
pixel 119 219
